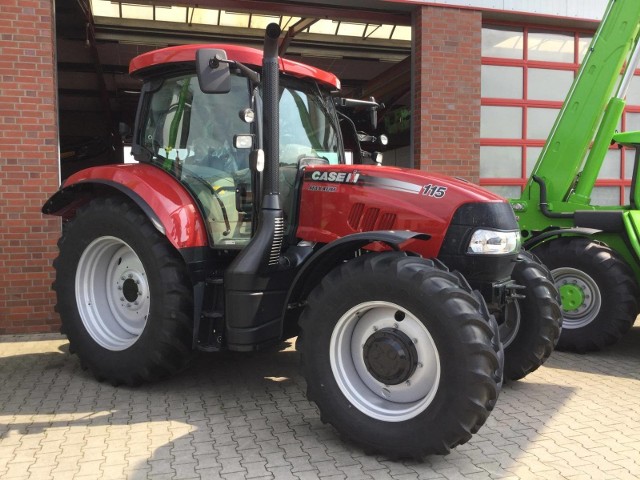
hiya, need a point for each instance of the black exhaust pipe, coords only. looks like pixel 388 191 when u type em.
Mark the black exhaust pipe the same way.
pixel 254 291
pixel 271 109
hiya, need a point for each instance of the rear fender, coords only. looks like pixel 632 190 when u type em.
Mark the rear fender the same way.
pixel 167 203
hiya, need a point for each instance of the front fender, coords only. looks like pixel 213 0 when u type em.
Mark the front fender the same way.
pixel 166 202
pixel 559 232
pixel 329 256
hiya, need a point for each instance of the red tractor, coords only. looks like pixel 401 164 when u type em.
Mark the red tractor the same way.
pixel 243 225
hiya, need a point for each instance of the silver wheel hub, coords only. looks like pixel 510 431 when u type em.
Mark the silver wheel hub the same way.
pixel 385 361
pixel 575 280
pixel 112 293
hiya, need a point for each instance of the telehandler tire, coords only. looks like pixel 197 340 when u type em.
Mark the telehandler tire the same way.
pixel 398 355
pixel 123 294
pixel 598 290
pixel 530 329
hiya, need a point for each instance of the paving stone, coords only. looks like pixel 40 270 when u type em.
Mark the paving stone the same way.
pixel 282 473
pixel 575 418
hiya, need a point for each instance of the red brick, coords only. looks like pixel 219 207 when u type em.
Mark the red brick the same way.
pixel 28 139
pixel 446 107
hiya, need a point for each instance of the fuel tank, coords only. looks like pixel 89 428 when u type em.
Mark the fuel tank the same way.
pixel 338 200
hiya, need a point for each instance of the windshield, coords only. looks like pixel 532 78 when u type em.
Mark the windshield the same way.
pixel 306 127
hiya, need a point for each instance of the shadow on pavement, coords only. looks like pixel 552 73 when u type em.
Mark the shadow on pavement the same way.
pixel 620 360
pixel 238 413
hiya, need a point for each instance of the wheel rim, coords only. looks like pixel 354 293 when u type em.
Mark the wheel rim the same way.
pixel 510 323
pixel 359 342
pixel 112 293
pixel 581 299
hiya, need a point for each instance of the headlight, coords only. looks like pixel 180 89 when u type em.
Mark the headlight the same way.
pixel 494 242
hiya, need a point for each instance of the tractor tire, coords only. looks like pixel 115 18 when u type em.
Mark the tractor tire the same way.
pixel 530 327
pixel 123 295
pixel 599 292
pixel 401 358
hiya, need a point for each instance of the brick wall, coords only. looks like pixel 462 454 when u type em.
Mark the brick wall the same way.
pixel 446 103
pixel 446 138
pixel 28 166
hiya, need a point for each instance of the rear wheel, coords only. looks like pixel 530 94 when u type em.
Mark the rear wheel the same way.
pixel 402 359
pixel 123 294
pixel 599 293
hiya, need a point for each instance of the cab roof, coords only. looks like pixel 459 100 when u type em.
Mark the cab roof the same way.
pixel 142 65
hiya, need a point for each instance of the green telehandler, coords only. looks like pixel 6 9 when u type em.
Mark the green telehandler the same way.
pixel 593 252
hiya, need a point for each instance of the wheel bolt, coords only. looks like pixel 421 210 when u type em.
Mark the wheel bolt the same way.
pixel 375 329
pixel 395 325
pixel 420 365
pixel 122 299
pixel 408 383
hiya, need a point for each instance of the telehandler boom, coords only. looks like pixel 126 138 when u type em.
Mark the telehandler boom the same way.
pixel 593 251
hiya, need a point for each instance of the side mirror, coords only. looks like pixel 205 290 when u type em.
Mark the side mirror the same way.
pixel 213 74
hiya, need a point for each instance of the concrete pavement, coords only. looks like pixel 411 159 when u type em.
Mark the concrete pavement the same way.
pixel 236 416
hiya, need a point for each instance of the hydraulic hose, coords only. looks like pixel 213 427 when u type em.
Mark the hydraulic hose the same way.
pixel 544 206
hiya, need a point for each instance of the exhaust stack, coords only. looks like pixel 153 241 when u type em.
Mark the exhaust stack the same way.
pixel 270 98
pixel 253 294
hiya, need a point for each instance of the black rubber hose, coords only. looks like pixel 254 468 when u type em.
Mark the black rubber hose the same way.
pixel 544 206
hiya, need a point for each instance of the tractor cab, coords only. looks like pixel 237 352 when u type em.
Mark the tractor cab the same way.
pixel 206 139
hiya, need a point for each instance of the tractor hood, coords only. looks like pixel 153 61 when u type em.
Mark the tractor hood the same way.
pixel 338 200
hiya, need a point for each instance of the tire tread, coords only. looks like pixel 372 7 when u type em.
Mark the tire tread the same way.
pixel 441 287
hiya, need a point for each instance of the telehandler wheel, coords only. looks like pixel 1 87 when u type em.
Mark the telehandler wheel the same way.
pixel 398 355
pixel 530 327
pixel 598 290
pixel 123 293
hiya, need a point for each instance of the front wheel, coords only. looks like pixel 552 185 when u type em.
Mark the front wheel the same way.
pixel 530 326
pixel 123 294
pixel 598 290
pixel 398 355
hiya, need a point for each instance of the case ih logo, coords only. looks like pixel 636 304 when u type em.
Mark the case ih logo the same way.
pixel 336 177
